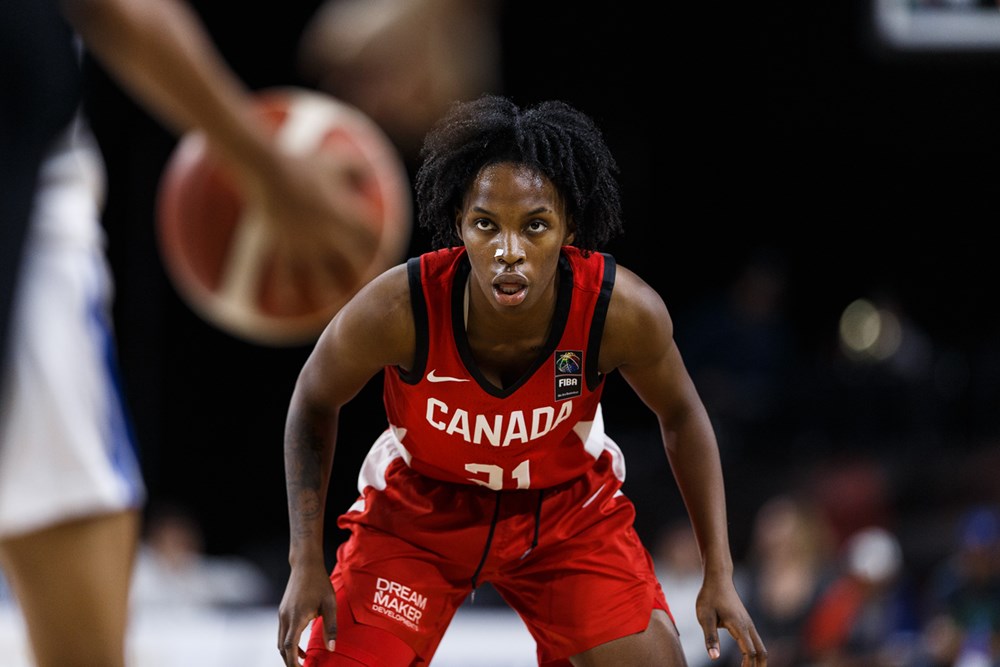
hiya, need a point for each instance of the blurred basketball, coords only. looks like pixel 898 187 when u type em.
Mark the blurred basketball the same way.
pixel 219 250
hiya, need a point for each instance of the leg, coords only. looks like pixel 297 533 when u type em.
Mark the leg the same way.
pixel 357 645
pixel 72 584
pixel 588 593
pixel 657 646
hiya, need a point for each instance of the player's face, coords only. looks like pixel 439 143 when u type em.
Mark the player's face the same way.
pixel 513 224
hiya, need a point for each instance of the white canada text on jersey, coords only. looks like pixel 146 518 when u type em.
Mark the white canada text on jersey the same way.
pixel 498 430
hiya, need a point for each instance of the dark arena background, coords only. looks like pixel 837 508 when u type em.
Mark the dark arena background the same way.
pixel 814 199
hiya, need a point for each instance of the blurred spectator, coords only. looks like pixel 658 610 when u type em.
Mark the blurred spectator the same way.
pixel 853 493
pixel 866 617
pixel 963 628
pixel 678 567
pixel 174 572
pixel 790 562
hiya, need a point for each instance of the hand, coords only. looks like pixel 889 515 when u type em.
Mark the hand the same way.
pixel 718 605
pixel 320 220
pixel 308 595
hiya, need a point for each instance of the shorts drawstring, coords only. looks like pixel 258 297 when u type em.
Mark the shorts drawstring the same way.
pixel 489 537
pixel 486 549
pixel 538 523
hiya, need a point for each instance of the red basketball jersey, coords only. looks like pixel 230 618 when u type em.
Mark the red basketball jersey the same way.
pixel 450 423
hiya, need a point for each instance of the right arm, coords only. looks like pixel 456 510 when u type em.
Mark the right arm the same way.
pixel 373 330
pixel 162 55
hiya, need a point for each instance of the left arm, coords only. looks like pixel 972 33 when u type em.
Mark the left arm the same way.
pixel 638 341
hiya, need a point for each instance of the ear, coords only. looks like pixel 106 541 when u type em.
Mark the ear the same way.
pixel 570 232
pixel 458 226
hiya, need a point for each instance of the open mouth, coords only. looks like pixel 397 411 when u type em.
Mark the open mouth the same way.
pixel 510 290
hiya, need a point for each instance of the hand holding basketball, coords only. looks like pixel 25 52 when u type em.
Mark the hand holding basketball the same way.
pixel 271 253
pixel 307 197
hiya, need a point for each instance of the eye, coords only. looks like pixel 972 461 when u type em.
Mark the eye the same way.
pixel 483 224
pixel 537 226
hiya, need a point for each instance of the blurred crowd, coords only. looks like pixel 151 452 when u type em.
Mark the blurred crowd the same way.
pixel 867 511
pixel 825 590
pixel 823 599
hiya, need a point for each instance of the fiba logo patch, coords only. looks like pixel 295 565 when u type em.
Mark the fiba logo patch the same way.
pixel 568 374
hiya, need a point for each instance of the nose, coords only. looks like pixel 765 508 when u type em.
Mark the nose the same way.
pixel 510 251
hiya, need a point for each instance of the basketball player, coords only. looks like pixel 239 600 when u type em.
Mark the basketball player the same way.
pixel 495 465
pixel 70 485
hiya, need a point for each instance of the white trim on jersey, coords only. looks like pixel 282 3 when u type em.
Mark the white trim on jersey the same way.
pixel 387 448
pixel 596 442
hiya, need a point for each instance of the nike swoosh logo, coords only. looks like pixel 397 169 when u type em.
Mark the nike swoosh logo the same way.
pixel 432 377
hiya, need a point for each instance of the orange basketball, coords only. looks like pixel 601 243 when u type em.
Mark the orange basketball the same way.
pixel 213 242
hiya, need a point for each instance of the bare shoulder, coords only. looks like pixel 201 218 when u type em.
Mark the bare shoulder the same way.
pixel 377 322
pixel 634 296
pixel 388 292
pixel 638 323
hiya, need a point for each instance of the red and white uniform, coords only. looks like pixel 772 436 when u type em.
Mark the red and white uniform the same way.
pixel 452 424
pixel 516 485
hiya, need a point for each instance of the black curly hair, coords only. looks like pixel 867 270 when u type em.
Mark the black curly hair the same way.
pixel 552 137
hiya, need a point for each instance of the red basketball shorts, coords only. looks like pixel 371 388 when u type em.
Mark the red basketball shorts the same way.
pixel 417 545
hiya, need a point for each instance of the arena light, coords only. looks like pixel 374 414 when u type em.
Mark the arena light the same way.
pixel 924 26
pixel 869 332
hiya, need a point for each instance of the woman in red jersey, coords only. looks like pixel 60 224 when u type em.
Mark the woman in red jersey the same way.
pixel 495 465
